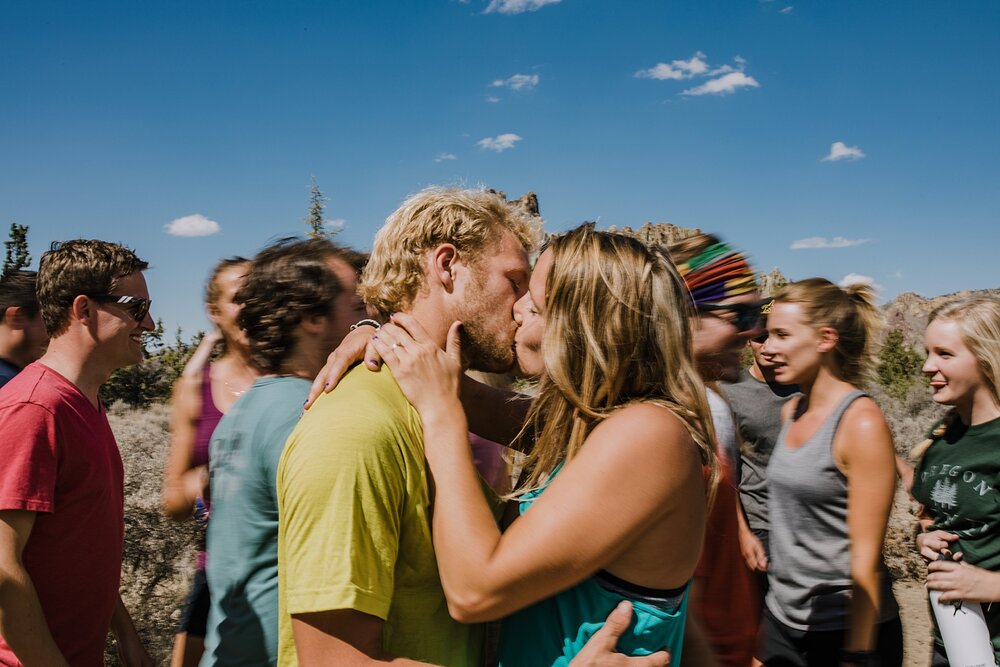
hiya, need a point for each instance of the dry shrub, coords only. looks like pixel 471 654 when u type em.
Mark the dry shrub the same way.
pixel 909 418
pixel 157 565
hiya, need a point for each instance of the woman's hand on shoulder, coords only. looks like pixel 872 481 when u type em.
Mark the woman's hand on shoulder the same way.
pixel 356 346
pixel 428 375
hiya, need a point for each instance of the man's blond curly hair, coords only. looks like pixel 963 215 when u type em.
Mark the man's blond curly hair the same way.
pixel 471 220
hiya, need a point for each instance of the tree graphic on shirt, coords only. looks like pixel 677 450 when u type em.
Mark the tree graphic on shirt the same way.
pixel 944 494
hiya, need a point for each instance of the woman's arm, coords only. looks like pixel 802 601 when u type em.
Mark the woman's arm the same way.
pixel 961 581
pixel 863 450
pixel 182 483
pixel 636 467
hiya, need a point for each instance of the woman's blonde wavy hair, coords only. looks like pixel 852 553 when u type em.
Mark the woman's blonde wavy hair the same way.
pixel 469 219
pixel 616 332
pixel 850 311
pixel 978 320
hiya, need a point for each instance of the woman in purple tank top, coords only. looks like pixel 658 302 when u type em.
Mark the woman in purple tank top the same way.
pixel 831 481
pixel 203 393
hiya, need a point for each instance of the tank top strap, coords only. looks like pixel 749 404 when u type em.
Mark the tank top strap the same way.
pixel 834 419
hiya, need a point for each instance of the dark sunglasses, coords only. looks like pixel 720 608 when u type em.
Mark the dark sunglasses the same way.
pixel 747 316
pixel 137 306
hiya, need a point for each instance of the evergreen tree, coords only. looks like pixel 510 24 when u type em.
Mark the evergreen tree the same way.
pixel 16 248
pixel 898 365
pixel 317 205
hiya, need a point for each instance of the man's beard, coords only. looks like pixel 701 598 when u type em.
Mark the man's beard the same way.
pixel 484 350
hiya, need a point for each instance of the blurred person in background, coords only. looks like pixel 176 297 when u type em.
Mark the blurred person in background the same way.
pixel 62 523
pixel 298 300
pixel 756 399
pixel 721 286
pixel 957 474
pixel 22 331
pixel 831 482
pixel 205 391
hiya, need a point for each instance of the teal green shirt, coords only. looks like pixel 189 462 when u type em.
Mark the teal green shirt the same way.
pixel 242 566
pixel 552 631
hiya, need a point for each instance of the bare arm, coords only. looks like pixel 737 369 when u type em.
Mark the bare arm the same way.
pixel 863 450
pixel 22 622
pixel 182 483
pixel 354 639
pixel 572 530
pixel 750 545
pixel 131 652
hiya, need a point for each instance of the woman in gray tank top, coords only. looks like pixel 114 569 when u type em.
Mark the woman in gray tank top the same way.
pixel 831 479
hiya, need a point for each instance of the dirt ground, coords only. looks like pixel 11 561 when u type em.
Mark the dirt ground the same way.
pixel 913 611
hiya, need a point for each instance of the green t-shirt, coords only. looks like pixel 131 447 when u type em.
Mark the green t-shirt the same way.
pixel 355 532
pixel 958 483
pixel 243 533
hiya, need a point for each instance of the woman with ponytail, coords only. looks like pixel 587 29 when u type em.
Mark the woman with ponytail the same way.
pixel 957 473
pixel 832 478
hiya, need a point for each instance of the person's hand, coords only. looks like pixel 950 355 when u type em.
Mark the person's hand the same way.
pixel 930 545
pixel 753 551
pixel 600 649
pixel 195 482
pixel 357 345
pixel 428 375
pixel 958 580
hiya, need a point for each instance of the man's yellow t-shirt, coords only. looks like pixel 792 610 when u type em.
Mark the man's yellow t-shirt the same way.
pixel 355 523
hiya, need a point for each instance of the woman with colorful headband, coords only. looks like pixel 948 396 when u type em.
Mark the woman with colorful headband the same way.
pixel 832 479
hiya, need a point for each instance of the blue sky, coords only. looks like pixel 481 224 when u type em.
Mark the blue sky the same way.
pixel 874 127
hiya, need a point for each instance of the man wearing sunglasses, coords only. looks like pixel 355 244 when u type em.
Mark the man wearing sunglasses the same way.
pixel 61 483
pixel 723 607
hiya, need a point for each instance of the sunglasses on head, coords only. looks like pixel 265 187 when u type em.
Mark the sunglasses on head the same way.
pixel 137 306
pixel 747 316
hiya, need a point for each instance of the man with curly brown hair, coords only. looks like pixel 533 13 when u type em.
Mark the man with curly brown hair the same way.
pixel 298 301
pixel 61 484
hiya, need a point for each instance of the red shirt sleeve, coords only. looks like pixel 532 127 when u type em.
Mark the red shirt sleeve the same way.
pixel 30 459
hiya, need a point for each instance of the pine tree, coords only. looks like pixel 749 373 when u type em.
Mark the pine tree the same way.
pixel 317 205
pixel 898 365
pixel 16 249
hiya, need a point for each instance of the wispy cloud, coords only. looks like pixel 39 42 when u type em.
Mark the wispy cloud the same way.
pixel 441 157
pixel 822 242
pixel 841 151
pixel 676 70
pixel 492 99
pixel 721 79
pixel 335 224
pixel 786 10
pixel 192 225
pixel 725 84
pixel 517 82
pixel 499 143
pixel 858 279
pixel 516 6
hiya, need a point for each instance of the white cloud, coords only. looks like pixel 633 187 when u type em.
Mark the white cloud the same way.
pixel 492 99
pixel 858 279
pixel 786 10
pixel 676 70
pixel 336 224
pixel 822 242
pixel 727 83
pixel 898 275
pixel 499 143
pixel 516 6
pixel 192 225
pixel 517 82
pixel 441 157
pixel 841 151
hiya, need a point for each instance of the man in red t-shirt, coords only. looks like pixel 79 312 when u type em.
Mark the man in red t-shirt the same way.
pixel 61 483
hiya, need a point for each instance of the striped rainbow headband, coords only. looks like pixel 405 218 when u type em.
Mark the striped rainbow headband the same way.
pixel 717 273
